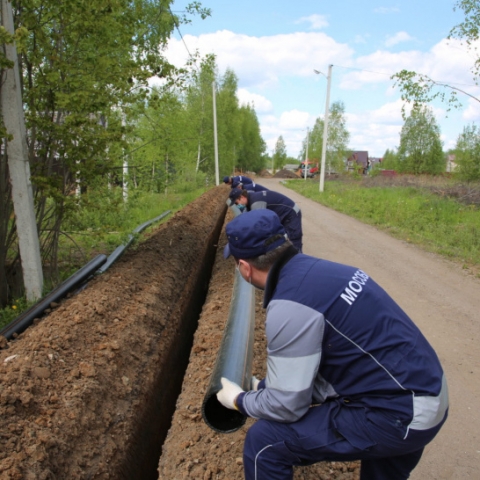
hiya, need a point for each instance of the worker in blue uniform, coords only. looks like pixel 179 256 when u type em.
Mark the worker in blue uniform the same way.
pixel 349 375
pixel 237 180
pixel 287 210
pixel 252 187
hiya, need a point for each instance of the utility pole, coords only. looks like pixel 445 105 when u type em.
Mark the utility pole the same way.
pixel 125 166
pixel 19 168
pixel 217 174
pixel 325 128
pixel 306 159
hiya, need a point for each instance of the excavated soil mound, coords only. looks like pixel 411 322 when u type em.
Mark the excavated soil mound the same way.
pixel 285 174
pixel 88 392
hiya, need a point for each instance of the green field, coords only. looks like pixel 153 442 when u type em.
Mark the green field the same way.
pixel 418 214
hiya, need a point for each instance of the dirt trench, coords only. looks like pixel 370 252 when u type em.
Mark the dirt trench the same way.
pixel 89 391
pixel 194 451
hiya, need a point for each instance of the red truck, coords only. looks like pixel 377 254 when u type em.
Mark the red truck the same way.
pixel 312 169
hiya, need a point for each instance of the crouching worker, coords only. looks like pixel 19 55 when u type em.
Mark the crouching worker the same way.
pixel 287 210
pixel 349 375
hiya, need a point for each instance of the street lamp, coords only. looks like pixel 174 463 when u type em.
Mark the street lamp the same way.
pixel 306 159
pixel 325 124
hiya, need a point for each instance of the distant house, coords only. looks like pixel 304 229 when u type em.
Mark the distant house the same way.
pixel 375 160
pixel 357 160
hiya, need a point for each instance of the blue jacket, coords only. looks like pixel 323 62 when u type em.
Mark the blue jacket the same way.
pixel 254 187
pixel 240 179
pixel 280 204
pixel 333 333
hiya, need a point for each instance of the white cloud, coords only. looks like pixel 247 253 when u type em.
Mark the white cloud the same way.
pixel 316 21
pixel 294 120
pixel 397 38
pixel 262 60
pixel 259 102
pixel 446 62
pixel 291 125
pixel 472 112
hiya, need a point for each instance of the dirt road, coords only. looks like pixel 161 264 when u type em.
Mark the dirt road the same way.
pixel 439 296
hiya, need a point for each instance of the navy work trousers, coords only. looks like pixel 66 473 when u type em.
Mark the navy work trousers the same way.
pixel 335 432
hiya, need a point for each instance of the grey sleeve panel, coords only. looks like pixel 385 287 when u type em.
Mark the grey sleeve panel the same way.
pixel 267 404
pixel 292 374
pixel 293 329
pixel 258 205
pixel 294 336
pixel 430 411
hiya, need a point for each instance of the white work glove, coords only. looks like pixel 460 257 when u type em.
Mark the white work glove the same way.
pixel 229 392
pixel 255 382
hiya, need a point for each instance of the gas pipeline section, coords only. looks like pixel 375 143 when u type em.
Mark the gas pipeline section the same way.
pixel 119 381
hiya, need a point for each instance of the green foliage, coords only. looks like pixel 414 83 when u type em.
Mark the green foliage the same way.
pixel 251 154
pixel 467 154
pixel 86 66
pixel 420 148
pixel 438 224
pixel 337 141
pixel 390 160
pixel 12 311
pixel 418 88
pixel 279 154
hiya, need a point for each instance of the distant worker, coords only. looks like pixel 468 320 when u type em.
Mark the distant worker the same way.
pixel 238 180
pixel 252 187
pixel 287 210
pixel 349 375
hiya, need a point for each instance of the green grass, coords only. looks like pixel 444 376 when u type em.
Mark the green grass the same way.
pixel 413 214
pixel 100 223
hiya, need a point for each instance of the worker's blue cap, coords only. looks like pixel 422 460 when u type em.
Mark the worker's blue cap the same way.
pixel 235 194
pixel 226 179
pixel 236 184
pixel 254 233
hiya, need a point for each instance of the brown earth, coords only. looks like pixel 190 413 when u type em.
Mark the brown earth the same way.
pixel 285 174
pixel 83 393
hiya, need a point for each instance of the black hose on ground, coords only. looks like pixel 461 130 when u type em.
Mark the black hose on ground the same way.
pixel 98 265
pixel 234 360
pixel 23 321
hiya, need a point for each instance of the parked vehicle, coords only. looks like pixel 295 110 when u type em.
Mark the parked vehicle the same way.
pixel 312 169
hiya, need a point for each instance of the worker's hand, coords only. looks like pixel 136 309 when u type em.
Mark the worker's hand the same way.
pixel 255 382
pixel 229 392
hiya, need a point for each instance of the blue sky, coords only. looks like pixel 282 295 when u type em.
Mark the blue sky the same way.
pixel 274 47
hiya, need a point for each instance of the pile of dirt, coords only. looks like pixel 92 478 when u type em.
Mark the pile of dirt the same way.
pixel 285 174
pixel 87 392
pixel 192 450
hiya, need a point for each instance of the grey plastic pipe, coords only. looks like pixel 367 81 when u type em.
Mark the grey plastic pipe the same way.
pixel 234 359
